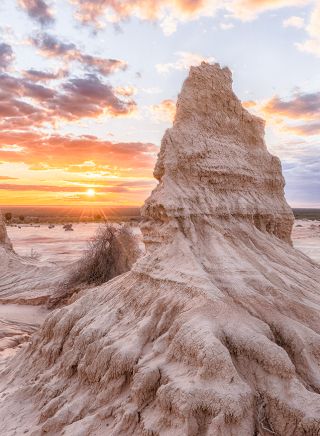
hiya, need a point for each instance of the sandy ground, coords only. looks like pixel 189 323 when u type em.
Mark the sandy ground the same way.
pixel 306 238
pixel 17 323
pixel 57 245
pixel 23 313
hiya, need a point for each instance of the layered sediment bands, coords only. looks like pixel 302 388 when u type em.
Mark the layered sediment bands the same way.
pixel 214 164
pixel 216 330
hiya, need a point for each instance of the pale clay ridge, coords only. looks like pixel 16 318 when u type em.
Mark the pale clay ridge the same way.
pixel 23 282
pixel 215 331
pixel 4 239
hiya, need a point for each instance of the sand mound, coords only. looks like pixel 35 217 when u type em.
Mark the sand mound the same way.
pixel 215 330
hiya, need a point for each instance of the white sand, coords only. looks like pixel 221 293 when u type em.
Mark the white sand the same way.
pixel 307 238
pixel 23 313
pixel 55 245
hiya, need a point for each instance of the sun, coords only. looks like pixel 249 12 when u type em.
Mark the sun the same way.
pixel 90 192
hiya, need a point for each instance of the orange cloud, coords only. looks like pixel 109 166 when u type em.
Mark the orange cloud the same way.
pixel 164 111
pixel 57 188
pixel 308 129
pixel 125 91
pixel 7 178
pixel 169 12
pixel 77 154
pixel 301 106
pixel 249 104
pixel 299 115
pixel 120 173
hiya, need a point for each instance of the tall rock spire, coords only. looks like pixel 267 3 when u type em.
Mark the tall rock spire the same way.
pixel 214 164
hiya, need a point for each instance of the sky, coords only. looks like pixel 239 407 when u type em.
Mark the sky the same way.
pixel 88 87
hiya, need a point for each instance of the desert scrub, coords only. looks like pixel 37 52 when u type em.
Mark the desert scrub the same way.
pixel 112 251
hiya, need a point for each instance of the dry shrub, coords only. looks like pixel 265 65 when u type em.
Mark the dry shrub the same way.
pixel 112 251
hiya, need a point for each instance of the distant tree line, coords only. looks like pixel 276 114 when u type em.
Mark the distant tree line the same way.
pixel 8 217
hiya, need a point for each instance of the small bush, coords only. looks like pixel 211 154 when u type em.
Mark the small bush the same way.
pixel 34 254
pixel 112 251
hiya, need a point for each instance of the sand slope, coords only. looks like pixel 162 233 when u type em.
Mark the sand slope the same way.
pixel 24 284
pixel 215 330
pixel 27 280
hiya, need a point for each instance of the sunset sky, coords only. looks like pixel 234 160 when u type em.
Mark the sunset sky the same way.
pixel 87 88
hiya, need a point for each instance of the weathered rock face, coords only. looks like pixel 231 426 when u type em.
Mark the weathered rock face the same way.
pixel 4 239
pixel 216 330
pixel 214 164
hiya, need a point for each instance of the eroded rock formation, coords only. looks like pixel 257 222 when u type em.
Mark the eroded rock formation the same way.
pixel 216 329
pixel 4 239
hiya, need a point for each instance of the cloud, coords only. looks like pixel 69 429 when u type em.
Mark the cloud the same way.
pixel 226 26
pixel 301 106
pixel 78 154
pixel 91 11
pixel 294 21
pixel 308 129
pixel 184 62
pixel 44 76
pixel 297 115
pixel 152 90
pixel 51 46
pixel 38 10
pixel 6 56
pixel 58 188
pixel 301 167
pixel 249 104
pixel 76 98
pixel 164 111
pixel 294 123
pixel 171 12
pixel 7 178
pixel 312 45
pixel 125 91
pixel 249 9
pixel 169 25
pixel 88 97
